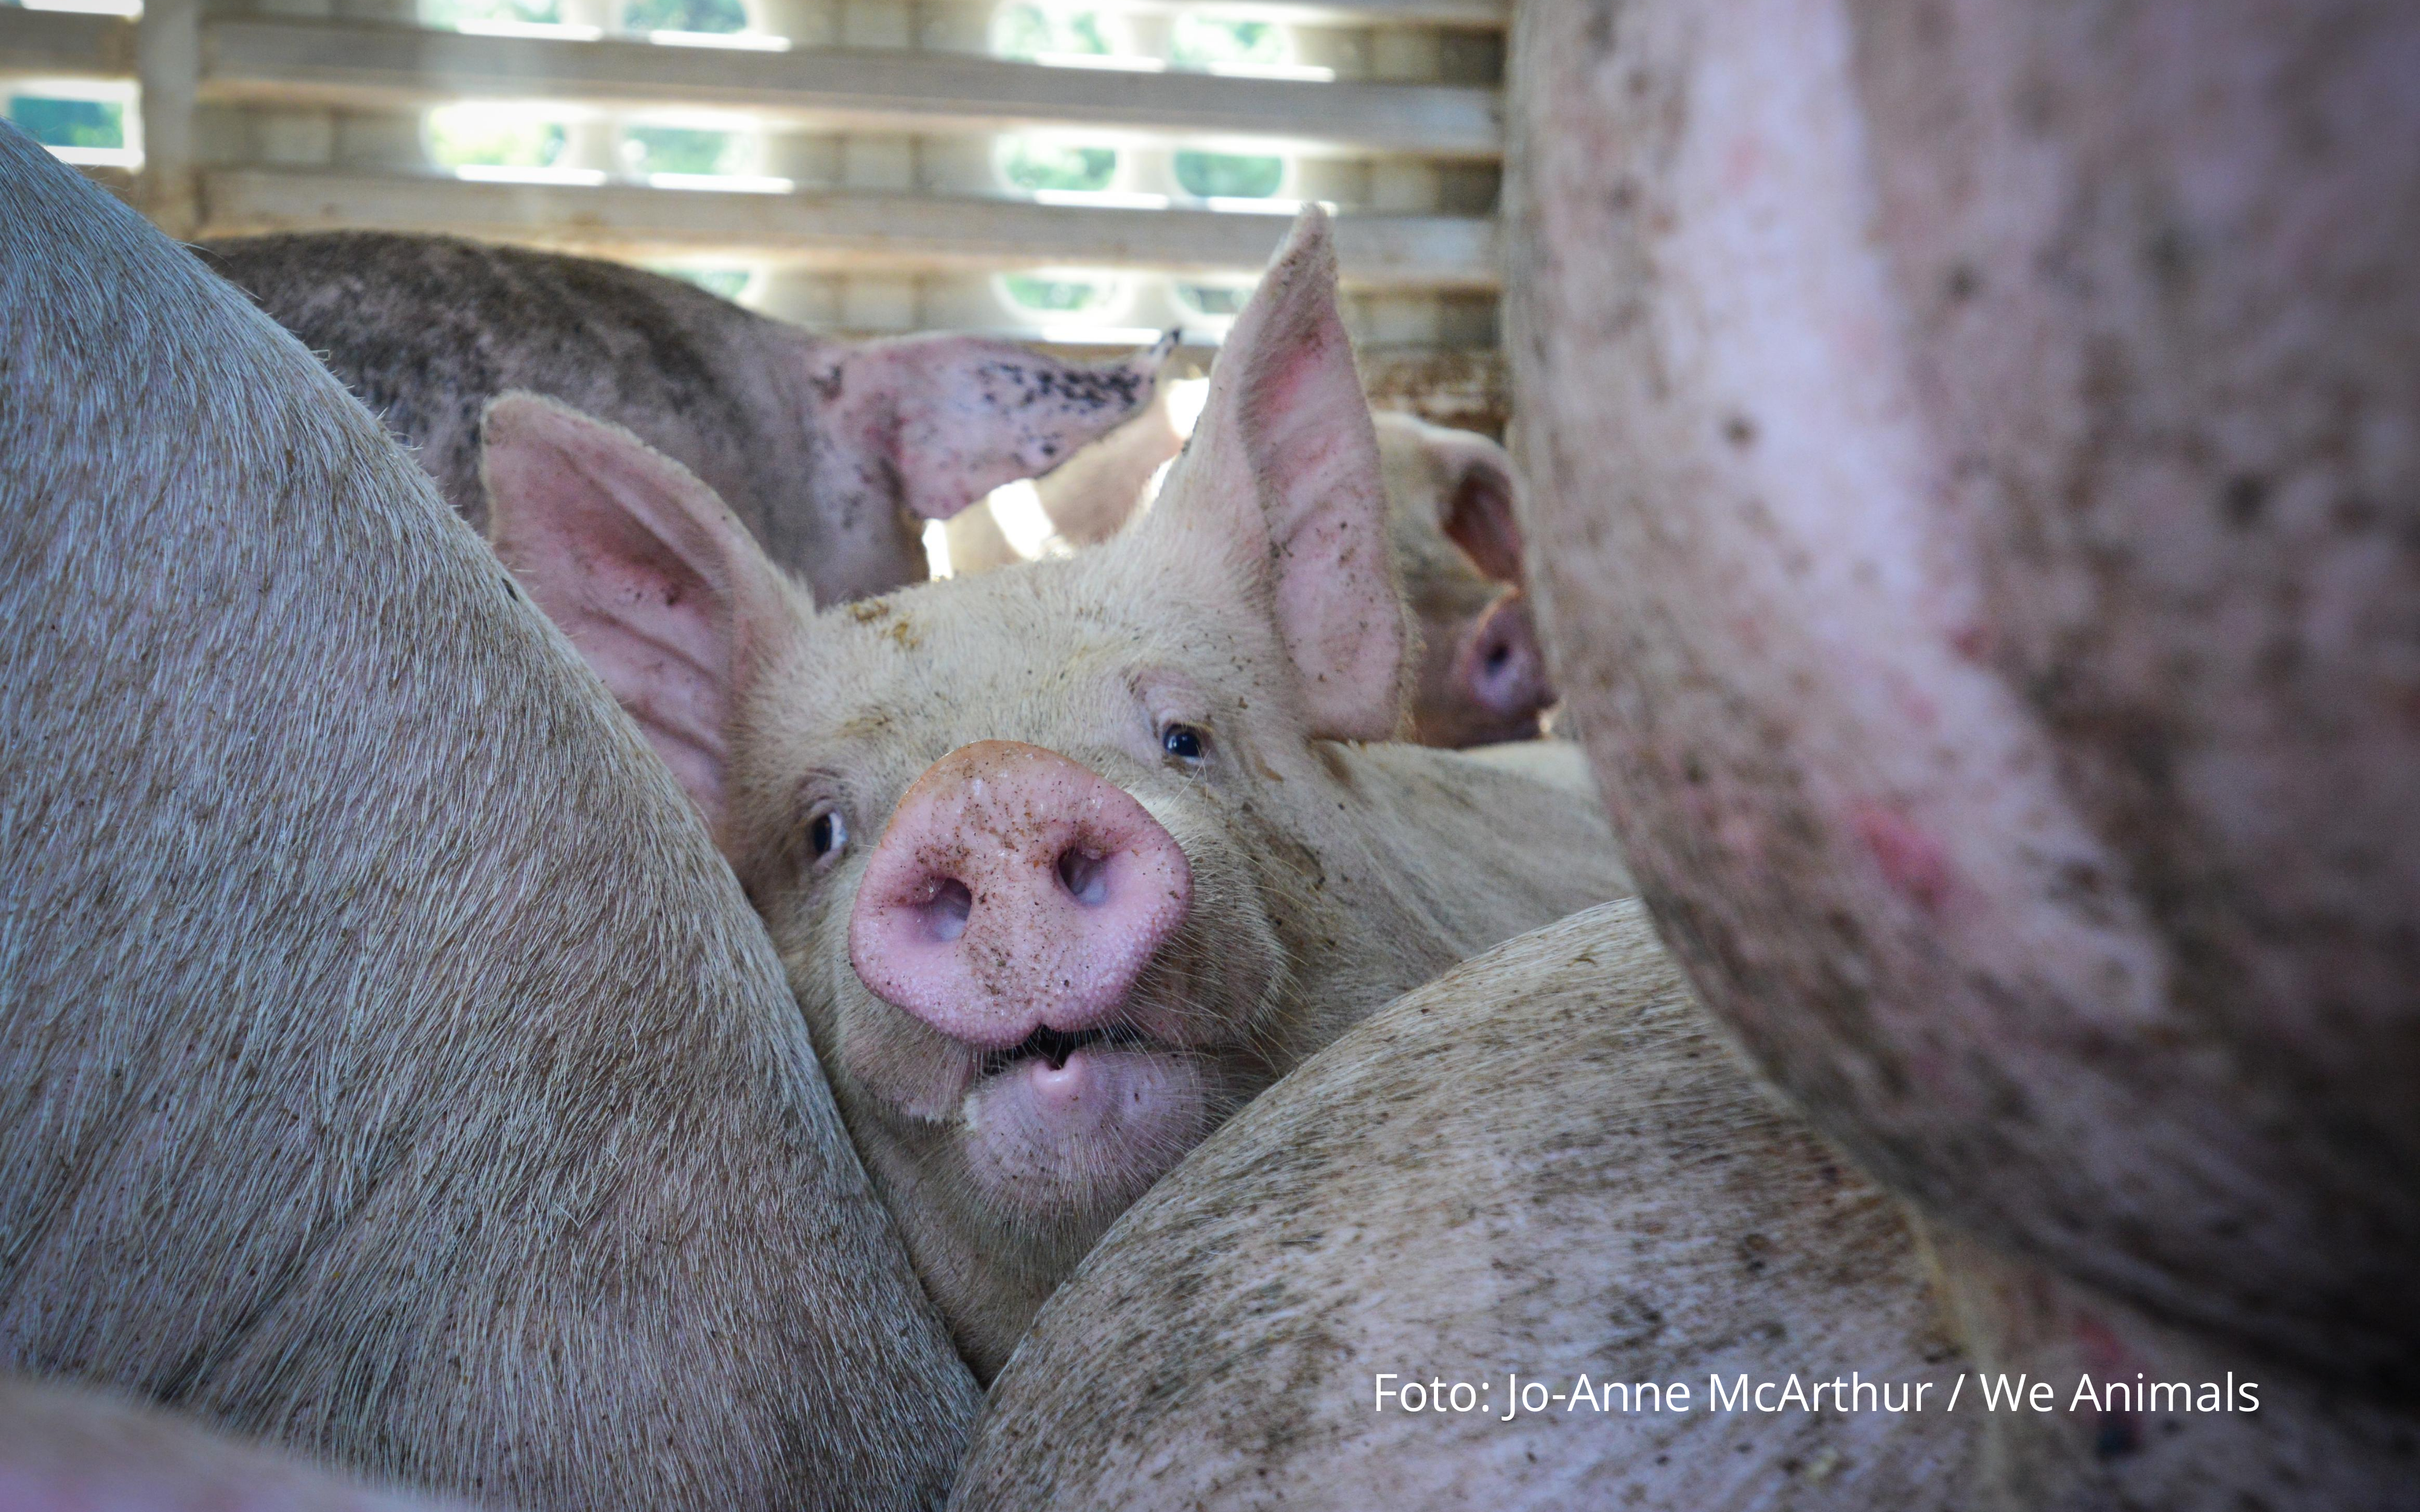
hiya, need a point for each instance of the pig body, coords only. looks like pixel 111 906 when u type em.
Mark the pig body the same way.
pixel 2028 831
pixel 1069 860
pixel 395 1072
pixel 834 454
pixel 1974 454
pixel 1547 1167
pixel 1543 1165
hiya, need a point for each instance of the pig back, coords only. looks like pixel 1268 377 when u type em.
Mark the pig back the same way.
pixel 1974 450
pixel 426 330
pixel 1541 1164
pixel 395 1072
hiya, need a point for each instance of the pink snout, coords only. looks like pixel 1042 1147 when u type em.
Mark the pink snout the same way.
pixel 1501 668
pixel 1015 890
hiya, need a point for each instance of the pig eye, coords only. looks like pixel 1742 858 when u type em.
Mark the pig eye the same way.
pixel 827 834
pixel 1185 742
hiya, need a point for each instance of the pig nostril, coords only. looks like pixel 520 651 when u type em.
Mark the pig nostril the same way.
pixel 946 915
pixel 1497 657
pixel 1085 877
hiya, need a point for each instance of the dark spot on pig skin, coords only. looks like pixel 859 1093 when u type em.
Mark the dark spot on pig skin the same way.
pixel 2245 500
pixel 1740 430
pixel 2119 1436
pixel 2353 515
pixel 2169 257
pixel 1602 25
pixel 1086 389
pixel 1962 283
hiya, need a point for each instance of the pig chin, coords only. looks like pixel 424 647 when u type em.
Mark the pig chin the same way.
pixel 1085 1137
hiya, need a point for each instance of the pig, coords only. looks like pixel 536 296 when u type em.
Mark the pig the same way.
pixel 1975 472
pixel 396 1074
pixel 77 1451
pixel 1457 543
pixel 1068 860
pixel 834 454
pixel 1543 1168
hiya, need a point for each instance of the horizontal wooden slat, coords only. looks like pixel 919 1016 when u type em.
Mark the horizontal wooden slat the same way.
pixel 63 44
pixel 844 229
pixel 343 64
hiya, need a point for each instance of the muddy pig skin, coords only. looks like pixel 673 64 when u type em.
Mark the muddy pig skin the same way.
pixel 76 1451
pixel 1974 454
pixel 1070 859
pixel 1545 1164
pixel 834 455
pixel 394 1072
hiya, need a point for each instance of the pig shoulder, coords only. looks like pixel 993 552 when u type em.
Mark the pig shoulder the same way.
pixel 1543 1162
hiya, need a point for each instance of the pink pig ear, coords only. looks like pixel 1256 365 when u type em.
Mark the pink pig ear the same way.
pixel 657 585
pixel 944 420
pixel 1284 464
pixel 1477 505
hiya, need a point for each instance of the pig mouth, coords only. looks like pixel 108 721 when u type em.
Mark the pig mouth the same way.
pixel 1056 1046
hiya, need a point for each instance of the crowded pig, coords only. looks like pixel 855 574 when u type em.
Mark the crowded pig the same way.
pixel 1068 860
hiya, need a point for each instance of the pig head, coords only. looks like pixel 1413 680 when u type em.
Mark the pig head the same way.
pixel 834 455
pixel 1976 454
pixel 1066 860
pixel 1457 545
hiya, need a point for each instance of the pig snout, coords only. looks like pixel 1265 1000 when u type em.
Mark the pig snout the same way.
pixel 1501 668
pixel 1014 892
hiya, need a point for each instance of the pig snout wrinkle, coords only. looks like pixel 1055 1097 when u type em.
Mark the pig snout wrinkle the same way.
pixel 1015 895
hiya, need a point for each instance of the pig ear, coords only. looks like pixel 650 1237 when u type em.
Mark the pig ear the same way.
pixel 657 585
pixel 1285 463
pixel 1478 505
pixel 945 420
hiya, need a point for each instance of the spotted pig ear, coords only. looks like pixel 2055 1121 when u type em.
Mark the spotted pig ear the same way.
pixel 937 421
